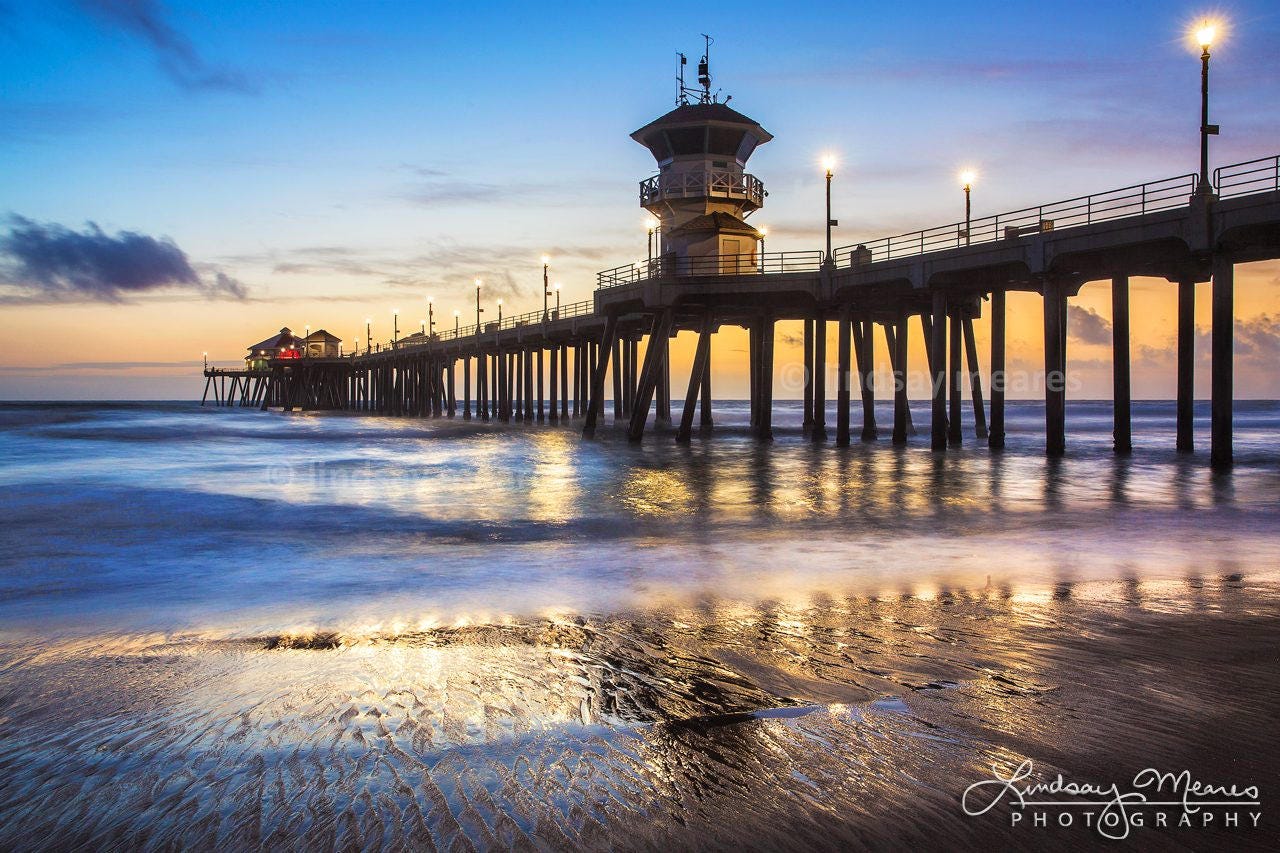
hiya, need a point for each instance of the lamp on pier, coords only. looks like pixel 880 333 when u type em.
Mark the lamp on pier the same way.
pixel 764 232
pixel 1205 33
pixel 368 334
pixel 546 288
pixel 967 177
pixel 479 310
pixel 829 164
pixel 306 342
pixel 558 286
pixel 431 315
pixel 206 361
pixel 395 326
pixel 499 313
pixel 457 319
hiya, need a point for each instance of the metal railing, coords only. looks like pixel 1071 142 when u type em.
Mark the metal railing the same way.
pixel 530 319
pixel 745 264
pixel 703 184
pixel 1137 200
pixel 1253 176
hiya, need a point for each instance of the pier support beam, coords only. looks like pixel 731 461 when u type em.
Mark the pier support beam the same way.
pixel 955 423
pixel 863 345
pixel 1055 390
pixel 818 378
pixel 975 381
pixel 1121 395
pixel 540 369
pixel 764 421
pixel 706 420
pixel 617 381
pixel 1186 364
pixel 897 339
pixel 701 367
pixel 596 399
pixel 842 380
pixel 995 437
pixel 663 413
pixel 1223 332
pixel 648 380
pixel 937 334
pixel 553 398
pixel 808 375
pixel 564 381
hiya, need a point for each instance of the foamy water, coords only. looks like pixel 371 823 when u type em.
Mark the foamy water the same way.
pixel 236 629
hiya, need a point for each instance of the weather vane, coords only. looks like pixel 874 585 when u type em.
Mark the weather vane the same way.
pixel 703 93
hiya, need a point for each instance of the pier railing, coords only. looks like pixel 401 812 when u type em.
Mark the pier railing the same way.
pixel 1137 200
pixel 746 264
pixel 1254 176
pixel 530 320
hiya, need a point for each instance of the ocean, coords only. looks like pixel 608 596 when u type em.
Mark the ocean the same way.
pixel 223 628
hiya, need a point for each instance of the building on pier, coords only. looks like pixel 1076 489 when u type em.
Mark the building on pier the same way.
pixel 285 344
pixel 702 194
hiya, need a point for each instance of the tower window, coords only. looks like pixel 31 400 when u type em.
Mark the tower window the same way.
pixel 720 164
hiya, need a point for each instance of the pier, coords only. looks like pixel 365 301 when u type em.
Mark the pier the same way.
pixel 557 366
pixel 707 269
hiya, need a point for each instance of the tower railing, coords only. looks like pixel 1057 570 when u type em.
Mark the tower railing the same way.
pixel 703 184
pixel 711 265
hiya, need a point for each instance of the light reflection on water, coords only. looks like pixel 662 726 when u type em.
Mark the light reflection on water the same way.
pixel 319 630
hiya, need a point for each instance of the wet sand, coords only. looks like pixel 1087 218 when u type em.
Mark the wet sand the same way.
pixel 824 721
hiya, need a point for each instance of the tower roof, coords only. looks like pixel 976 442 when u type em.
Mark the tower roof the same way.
pixel 698 129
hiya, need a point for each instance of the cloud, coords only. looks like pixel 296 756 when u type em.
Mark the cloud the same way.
pixel 178 58
pixel 1088 326
pixel 41 263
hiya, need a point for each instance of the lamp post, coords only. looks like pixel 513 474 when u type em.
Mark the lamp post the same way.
pixel 967 178
pixel 829 163
pixel 368 334
pixel 558 286
pixel 422 326
pixel 206 361
pixel 457 319
pixel 479 310
pixel 764 232
pixel 395 326
pixel 306 344
pixel 1204 36
pixel 546 288
pixel 431 315
pixel 499 314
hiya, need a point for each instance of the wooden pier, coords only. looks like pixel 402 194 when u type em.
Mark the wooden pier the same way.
pixel 557 366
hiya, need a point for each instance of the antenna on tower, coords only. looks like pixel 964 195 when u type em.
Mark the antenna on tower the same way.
pixel 704 71
pixel 682 98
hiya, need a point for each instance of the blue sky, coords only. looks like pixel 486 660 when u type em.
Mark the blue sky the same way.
pixel 338 160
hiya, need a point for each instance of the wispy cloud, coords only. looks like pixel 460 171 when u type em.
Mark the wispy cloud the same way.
pixel 178 58
pixel 45 263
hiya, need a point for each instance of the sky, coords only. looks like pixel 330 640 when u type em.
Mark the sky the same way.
pixel 180 177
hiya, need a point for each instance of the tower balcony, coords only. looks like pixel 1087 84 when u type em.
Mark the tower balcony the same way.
pixel 743 188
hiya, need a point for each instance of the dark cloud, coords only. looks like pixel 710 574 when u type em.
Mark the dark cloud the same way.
pixel 1088 326
pixel 52 263
pixel 177 56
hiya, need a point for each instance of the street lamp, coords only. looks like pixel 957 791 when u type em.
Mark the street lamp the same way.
pixel 395 326
pixel 558 286
pixel 368 334
pixel 546 288
pixel 479 310
pixel 499 313
pixel 431 315
pixel 1204 37
pixel 829 163
pixel 967 177
pixel 764 232
pixel 306 343
pixel 206 361
pixel 457 319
